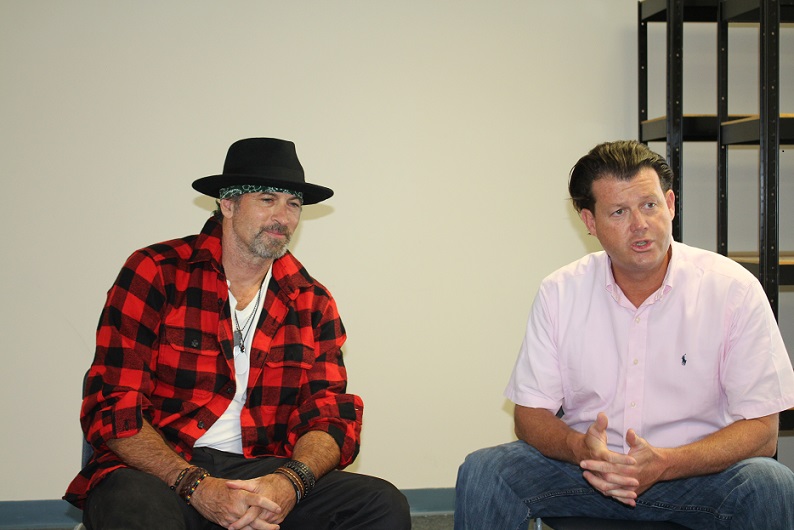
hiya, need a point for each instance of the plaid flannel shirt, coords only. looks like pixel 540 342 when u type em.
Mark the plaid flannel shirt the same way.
pixel 165 354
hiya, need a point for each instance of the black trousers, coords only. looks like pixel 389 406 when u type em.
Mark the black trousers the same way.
pixel 131 499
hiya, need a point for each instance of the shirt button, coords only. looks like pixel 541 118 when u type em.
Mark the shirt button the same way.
pixel 633 404
pixel 637 320
pixel 636 361
pixel 220 302
pixel 201 425
pixel 229 390
pixel 194 343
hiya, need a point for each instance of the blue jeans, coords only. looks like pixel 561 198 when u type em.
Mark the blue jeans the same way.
pixel 502 487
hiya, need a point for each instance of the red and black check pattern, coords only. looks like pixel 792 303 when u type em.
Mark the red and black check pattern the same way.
pixel 165 354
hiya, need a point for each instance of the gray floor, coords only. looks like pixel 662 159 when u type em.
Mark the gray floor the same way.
pixel 433 522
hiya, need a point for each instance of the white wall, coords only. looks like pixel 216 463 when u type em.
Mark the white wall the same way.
pixel 446 128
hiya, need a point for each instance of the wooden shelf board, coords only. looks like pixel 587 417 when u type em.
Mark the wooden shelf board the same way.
pixel 748 10
pixel 749 256
pixel 749 260
pixel 706 10
pixel 746 131
pixel 694 10
pixel 695 128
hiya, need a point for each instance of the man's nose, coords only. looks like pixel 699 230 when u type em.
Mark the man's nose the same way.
pixel 280 212
pixel 638 221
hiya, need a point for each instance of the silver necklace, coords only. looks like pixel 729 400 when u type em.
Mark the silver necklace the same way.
pixel 240 334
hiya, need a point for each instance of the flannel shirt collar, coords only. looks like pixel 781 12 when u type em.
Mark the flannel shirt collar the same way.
pixel 288 272
pixel 208 244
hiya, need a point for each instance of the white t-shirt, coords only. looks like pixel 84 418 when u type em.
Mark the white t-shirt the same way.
pixel 225 434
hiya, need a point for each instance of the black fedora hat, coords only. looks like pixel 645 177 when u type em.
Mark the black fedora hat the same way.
pixel 264 162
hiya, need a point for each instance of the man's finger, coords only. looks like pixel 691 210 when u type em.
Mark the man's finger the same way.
pixel 248 517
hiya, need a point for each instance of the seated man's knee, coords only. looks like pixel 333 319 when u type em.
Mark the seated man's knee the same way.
pixel 760 485
pixel 482 466
pixel 390 498
pixel 379 504
pixel 128 498
pixel 767 476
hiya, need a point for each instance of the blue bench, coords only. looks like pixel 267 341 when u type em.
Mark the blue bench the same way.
pixel 38 515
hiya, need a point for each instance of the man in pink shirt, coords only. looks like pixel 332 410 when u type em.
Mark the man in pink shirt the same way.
pixel 650 378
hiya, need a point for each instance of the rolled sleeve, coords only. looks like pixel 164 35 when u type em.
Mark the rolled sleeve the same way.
pixel 119 379
pixel 325 405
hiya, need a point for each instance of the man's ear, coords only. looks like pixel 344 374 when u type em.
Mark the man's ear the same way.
pixel 589 220
pixel 669 198
pixel 227 207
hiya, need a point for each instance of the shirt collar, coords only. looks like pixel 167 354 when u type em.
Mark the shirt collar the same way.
pixel 208 244
pixel 667 284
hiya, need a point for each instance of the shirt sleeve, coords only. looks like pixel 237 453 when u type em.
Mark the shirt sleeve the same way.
pixel 535 380
pixel 325 405
pixel 757 376
pixel 119 379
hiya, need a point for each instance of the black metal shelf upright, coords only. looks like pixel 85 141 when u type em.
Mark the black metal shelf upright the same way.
pixel 768 130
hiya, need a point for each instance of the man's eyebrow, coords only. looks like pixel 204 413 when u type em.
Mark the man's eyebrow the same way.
pixel 645 198
pixel 275 193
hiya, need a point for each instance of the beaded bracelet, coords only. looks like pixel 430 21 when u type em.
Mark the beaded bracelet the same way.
pixel 194 478
pixel 193 472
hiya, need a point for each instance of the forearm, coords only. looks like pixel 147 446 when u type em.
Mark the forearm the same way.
pixel 148 452
pixel 319 451
pixel 549 434
pixel 718 451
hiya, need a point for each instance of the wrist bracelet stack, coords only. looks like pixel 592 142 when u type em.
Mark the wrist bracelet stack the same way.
pixel 189 478
pixel 294 479
pixel 299 475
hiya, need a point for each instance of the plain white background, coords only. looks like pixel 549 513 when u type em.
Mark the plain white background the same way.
pixel 447 129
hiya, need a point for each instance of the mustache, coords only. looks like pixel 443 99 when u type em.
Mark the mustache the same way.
pixel 275 227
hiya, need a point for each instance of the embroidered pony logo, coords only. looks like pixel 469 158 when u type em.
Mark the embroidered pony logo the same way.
pixel 683 360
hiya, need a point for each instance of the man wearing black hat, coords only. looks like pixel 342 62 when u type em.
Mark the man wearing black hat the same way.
pixel 217 395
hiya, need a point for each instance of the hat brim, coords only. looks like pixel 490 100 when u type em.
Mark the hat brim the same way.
pixel 312 193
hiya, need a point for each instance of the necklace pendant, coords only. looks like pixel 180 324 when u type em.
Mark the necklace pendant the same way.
pixel 238 339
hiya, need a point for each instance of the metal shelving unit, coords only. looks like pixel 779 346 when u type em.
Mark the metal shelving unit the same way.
pixel 769 129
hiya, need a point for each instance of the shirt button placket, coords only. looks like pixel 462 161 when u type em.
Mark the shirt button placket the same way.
pixel 635 373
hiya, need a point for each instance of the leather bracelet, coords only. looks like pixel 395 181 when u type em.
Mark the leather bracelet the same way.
pixel 179 478
pixel 297 485
pixel 304 473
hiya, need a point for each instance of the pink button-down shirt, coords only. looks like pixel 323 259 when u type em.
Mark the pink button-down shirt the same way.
pixel 700 353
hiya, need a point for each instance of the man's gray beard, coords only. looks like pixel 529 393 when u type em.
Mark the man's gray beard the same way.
pixel 268 248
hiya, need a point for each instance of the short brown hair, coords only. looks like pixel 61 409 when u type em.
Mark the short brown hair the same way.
pixel 621 160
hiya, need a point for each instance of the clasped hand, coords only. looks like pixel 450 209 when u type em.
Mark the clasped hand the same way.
pixel 256 504
pixel 622 477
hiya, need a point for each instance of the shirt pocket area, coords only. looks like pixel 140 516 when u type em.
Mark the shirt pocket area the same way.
pixel 290 356
pixel 189 359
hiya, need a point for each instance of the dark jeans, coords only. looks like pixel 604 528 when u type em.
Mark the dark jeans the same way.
pixel 131 499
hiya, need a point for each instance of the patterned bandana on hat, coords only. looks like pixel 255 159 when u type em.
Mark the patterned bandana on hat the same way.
pixel 233 191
